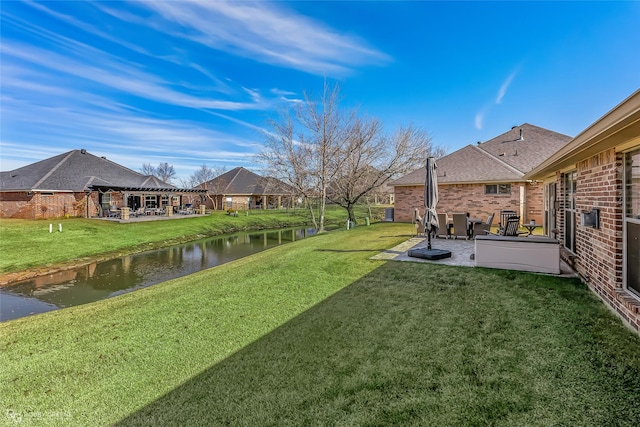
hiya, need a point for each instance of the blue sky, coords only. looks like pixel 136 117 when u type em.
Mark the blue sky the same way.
pixel 193 83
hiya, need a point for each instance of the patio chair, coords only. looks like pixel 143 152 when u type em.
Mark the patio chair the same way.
pixel 460 225
pixel 484 227
pixel 504 215
pixel 114 212
pixel 443 228
pixel 511 227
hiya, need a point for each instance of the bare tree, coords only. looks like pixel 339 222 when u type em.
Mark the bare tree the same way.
pixel 370 159
pixel 288 159
pixel 204 178
pixel 147 169
pixel 302 147
pixel 165 172
pixel 201 176
pixel 329 153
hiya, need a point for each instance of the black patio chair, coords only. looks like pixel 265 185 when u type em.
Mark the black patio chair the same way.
pixel 511 227
pixel 504 215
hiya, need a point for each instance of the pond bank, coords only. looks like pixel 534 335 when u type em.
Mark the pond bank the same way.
pixel 109 278
pixel 33 272
pixel 29 249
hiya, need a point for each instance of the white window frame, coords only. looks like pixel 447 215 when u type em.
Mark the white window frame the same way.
pixel 506 189
pixel 626 220
pixel 148 198
pixel 569 208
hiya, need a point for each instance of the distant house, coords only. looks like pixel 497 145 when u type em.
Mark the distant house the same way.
pixel 79 184
pixel 592 204
pixel 242 189
pixel 486 178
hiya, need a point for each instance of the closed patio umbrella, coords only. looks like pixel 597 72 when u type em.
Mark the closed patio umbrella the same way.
pixel 431 200
pixel 430 215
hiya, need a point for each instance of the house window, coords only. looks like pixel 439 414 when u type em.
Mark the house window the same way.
pixel 632 221
pixel 46 194
pixel 632 184
pixel 569 204
pixel 151 201
pixel 229 202
pixel 497 189
pixel 165 201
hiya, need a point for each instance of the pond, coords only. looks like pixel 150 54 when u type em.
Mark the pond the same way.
pixel 107 279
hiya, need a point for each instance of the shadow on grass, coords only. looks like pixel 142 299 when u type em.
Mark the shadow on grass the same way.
pixel 423 345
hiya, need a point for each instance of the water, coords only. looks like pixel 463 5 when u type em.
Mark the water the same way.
pixel 107 279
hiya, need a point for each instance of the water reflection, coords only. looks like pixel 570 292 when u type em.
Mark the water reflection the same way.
pixel 106 279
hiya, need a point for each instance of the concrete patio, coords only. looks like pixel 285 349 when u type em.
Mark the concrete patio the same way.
pixel 145 218
pixel 462 253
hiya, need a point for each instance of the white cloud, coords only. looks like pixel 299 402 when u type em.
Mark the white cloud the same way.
pixel 268 33
pixel 479 119
pixel 123 77
pixel 480 115
pixel 505 85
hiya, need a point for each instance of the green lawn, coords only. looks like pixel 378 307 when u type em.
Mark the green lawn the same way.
pixel 315 333
pixel 26 244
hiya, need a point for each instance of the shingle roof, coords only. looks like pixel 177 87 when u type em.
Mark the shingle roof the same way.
pixel 240 181
pixel 503 158
pixel 76 171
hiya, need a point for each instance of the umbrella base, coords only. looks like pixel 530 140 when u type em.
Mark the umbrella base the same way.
pixel 430 254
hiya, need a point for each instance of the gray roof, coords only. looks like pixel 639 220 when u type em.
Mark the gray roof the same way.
pixel 76 171
pixel 240 181
pixel 501 159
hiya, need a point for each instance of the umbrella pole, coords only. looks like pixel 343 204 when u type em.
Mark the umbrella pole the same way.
pixel 429 239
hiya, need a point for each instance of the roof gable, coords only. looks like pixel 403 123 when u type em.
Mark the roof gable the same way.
pixel 242 181
pixel 525 147
pixel 468 164
pixel 76 171
pixel 504 158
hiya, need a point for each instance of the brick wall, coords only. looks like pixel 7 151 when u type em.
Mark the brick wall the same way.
pixel 16 205
pixel 218 200
pixel 238 202
pixel 534 207
pixel 454 198
pixel 41 206
pixel 599 251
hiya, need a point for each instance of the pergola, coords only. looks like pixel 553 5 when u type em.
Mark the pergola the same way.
pixel 145 192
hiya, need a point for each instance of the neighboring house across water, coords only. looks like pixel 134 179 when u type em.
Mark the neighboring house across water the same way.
pixel 592 202
pixel 79 184
pixel 486 178
pixel 242 189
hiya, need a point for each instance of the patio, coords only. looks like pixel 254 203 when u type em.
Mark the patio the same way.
pixel 146 218
pixel 462 253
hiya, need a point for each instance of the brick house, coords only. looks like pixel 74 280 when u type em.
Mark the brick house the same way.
pixel 592 201
pixel 79 184
pixel 485 178
pixel 242 189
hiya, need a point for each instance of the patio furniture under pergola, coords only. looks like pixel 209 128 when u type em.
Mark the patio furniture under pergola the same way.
pixel 136 198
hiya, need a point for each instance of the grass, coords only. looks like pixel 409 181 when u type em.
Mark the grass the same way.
pixel 26 244
pixel 316 333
